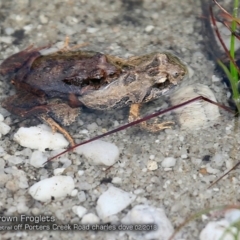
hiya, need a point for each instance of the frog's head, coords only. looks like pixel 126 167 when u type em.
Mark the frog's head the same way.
pixel 175 69
pixel 165 71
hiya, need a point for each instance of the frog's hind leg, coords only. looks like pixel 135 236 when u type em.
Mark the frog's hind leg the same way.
pixel 56 127
pixel 134 114
pixel 25 104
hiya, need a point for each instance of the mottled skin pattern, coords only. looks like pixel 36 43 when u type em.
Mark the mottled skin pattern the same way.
pixel 54 86
pixel 149 77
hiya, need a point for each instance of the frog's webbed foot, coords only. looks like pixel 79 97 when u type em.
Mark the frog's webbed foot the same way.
pixel 134 114
pixel 156 127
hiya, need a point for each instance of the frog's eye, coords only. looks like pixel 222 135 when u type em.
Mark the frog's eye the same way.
pixel 175 74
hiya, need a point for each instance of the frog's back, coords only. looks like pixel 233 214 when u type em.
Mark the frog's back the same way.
pixel 69 72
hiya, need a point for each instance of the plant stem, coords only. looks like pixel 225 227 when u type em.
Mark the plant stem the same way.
pixel 232 43
pixel 233 71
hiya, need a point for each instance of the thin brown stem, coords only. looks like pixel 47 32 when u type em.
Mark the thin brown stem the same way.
pixel 220 39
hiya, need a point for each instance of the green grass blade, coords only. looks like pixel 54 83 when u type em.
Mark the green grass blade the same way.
pixel 233 83
pixel 233 69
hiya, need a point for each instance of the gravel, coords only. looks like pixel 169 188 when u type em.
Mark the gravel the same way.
pixel 124 29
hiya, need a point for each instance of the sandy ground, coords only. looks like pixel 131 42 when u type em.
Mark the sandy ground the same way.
pixel 121 28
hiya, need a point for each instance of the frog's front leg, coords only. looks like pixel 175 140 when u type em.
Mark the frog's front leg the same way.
pixel 134 114
pixel 56 127
pixel 62 113
pixel 26 105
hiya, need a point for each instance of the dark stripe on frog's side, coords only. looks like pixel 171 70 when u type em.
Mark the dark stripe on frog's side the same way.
pixel 67 72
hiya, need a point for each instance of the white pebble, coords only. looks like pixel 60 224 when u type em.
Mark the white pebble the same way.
pixel 168 162
pixel 9 31
pixel 66 162
pixel 152 165
pixel 116 123
pixel 43 19
pixel 28 28
pixel 232 215
pixel 22 208
pixel 3 178
pixel 84 132
pixel 1 118
pixel 18 17
pixel 12 209
pixel 19 179
pixel 80 172
pixel 58 171
pixel 38 159
pixel 74 193
pixel 99 152
pixel 12 185
pixel 40 137
pixel 144 214
pixel 23 181
pixel 22 235
pixel 116 180
pixel 181 138
pixel 81 196
pixel 92 127
pixel 4 128
pixel 211 170
pixel 112 201
pixel 152 157
pixel 138 191
pixel 6 39
pixel 92 30
pixel 229 127
pixel 35 211
pixel 2 163
pixel 197 114
pixel 215 78
pixel 218 159
pixel 229 163
pixel 222 229
pixel 216 230
pixel 52 188
pixel 13 159
pixel 79 210
pixel 2 152
pixel 90 218
pixel 149 28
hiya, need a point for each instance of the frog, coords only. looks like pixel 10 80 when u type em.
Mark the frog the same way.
pixel 54 87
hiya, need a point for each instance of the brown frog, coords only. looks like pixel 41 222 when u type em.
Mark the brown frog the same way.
pixel 53 87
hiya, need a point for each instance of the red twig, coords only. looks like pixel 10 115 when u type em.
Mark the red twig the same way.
pixel 220 38
pixel 142 120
